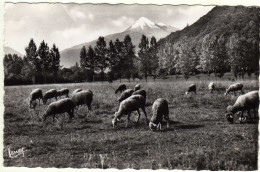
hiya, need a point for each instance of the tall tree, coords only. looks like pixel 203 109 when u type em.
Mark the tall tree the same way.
pixel 90 63
pixel 54 61
pixel 83 56
pixel 154 57
pixel 101 55
pixel 44 54
pixel 119 59
pixel 33 61
pixel 145 61
pixel 129 55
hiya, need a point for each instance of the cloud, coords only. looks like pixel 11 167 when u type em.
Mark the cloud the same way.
pixel 123 21
pixel 76 14
pixel 91 17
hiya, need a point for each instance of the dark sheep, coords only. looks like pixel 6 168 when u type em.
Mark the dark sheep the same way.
pixel 160 111
pixel 191 88
pixel 52 93
pixel 121 88
pixel 127 93
pixel 63 92
pixel 34 95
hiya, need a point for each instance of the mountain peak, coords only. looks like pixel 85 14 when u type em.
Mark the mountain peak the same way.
pixel 142 22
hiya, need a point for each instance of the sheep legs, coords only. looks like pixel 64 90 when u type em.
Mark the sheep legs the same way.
pixel 143 109
pixel 128 119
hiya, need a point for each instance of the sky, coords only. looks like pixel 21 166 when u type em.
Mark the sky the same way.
pixel 68 25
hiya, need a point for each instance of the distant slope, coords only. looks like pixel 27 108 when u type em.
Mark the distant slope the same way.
pixel 220 21
pixel 8 50
pixel 142 26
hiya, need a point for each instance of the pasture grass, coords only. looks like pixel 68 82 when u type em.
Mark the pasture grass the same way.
pixel 199 137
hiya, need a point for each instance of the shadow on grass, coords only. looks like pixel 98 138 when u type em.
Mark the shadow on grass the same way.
pixel 188 126
pixel 92 121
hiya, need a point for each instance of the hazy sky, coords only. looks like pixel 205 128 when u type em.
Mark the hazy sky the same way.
pixel 67 25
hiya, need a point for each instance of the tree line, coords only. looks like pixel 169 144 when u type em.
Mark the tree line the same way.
pixel 118 59
pixel 103 62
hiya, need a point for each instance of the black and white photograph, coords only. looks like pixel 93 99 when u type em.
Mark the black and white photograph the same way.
pixel 130 86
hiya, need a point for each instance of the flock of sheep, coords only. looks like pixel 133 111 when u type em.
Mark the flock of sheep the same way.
pixel 134 99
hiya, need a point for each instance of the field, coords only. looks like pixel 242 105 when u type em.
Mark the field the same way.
pixel 199 137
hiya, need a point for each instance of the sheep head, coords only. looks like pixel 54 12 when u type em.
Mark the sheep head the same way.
pixel 114 121
pixel 44 100
pixel 33 104
pixel 230 117
pixel 152 126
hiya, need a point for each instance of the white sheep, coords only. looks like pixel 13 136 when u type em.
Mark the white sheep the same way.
pixel 211 87
pixel 75 91
pixel 127 93
pixel 137 87
pixel 121 88
pixel 191 88
pixel 84 97
pixel 234 88
pixel 34 95
pixel 52 93
pixel 160 111
pixel 59 107
pixel 140 92
pixel 244 102
pixel 63 92
pixel 132 103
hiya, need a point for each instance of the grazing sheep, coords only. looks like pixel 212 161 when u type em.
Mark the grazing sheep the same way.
pixel 234 88
pixel 140 92
pixel 83 98
pixel 191 88
pixel 121 88
pixel 35 94
pixel 137 87
pixel 52 93
pixel 211 87
pixel 58 107
pixel 76 91
pixel 127 93
pixel 244 102
pixel 160 110
pixel 132 103
pixel 63 92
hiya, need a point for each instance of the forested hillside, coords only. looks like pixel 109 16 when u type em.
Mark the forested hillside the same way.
pixel 225 39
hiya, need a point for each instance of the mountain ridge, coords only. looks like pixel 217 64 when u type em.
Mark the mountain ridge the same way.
pixel 9 50
pixel 142 26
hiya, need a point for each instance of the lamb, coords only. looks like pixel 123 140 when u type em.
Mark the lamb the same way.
pixel 35 94
pixel 75 91
pixel 140 92
pixel 191 88
pixel 84 97
pixel 127 93
pixel 52 93
pixel 160 110
pixel 137 87
pixel 59 107
pixel 132 103
pixel 234 88
pixel 121 88
pixel 63 92
pixel 244 102
pixel 211 87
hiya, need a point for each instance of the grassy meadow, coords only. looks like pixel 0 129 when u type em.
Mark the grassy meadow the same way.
pixel 199 137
